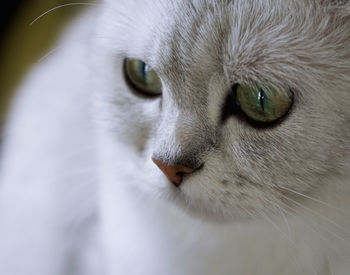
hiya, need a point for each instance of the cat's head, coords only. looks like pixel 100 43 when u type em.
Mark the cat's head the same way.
pixel 246 102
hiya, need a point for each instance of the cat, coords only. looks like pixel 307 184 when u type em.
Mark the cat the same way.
pixel 183 137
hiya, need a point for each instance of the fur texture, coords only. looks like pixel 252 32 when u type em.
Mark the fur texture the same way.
pixel 272 200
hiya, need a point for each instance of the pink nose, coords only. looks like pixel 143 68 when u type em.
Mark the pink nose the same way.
pixel 173 172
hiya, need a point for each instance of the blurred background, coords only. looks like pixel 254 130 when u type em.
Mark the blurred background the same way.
pixel 23 44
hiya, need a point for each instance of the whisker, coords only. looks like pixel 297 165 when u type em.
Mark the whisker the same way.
pixel 276 227
pixel 249 213
pixel 48 54
pixel 331 232
pixel 311 198
pixel 290 241
pixel 318 214
pixel 281 210
pixel 330 244
pixel 285 219
pixel 319 234
pixel 61 6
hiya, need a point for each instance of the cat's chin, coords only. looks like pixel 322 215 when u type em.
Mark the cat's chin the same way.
pixel 192 207
pixel 208 215
pixel 203 210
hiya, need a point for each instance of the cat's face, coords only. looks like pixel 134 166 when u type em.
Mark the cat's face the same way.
pixel 200 50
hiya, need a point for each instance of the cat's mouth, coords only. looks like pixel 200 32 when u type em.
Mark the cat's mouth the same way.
pixel 199 199
pixel 236 200
pixel 208 210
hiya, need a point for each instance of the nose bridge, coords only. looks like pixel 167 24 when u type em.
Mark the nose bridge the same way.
pixel 182 137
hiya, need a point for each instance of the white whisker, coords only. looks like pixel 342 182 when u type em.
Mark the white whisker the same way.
pixel 48 54
pixel 311 198
pixel 280 209
pixel 329 231
pixel 285 220
pixel 319 234
pixel 61 6
pixel 290 241
pixel 318 214
pixel 277 227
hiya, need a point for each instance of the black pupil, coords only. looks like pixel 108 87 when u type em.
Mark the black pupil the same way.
pixel 143 69
pixel 262 99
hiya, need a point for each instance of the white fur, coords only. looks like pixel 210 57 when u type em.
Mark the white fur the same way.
pixel 80 194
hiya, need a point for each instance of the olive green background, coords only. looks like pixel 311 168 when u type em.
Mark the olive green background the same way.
pixel 23 45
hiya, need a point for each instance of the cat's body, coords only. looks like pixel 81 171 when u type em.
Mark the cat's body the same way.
pixel 81 195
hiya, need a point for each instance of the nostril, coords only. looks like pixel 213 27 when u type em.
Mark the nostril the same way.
pixel 199 167
pixel 180 178
pixel 174 173
pixel 177 179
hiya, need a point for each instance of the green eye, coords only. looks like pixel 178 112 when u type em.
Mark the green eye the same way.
pixel 142 77
pixel 264 103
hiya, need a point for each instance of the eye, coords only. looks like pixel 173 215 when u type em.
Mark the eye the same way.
pixel 142 77
pixel 263 103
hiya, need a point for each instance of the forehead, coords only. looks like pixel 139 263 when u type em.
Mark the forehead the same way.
pixel 246 39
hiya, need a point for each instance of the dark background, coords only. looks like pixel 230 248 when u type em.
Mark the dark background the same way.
pixel 22 45
pixel 8 9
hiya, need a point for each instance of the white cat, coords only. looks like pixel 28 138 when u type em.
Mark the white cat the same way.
pixel 184 137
